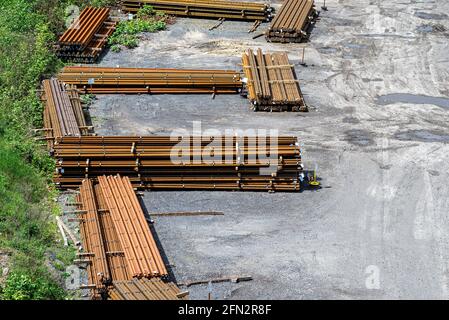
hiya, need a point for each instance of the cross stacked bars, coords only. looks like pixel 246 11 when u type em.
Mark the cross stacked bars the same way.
pixel 63 114
pixel 213 9
pixel 117 242
pixel 180 163
pixel 86 38
pixel 145 289
pixel 292 22
pixel 271 82
pixel 140 249
pixel 97 80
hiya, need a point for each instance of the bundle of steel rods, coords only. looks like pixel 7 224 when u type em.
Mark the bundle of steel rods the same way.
pixel 145 289
pixel 86 38
pixel 63 114
pixel 217 163
pixel 232 10
pixel 292 21
pixel 117 242
pixel 93 251
pixel 271 82
pixel 140 249
pixel 142 80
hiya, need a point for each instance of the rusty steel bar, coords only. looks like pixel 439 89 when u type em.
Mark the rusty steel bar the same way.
pixel 292 21
pixel 139 247
pixel 271 82
pixel 60 110
pixel 145 289
pixel 83 29
pixel 63 114
pixel 145 80
pixel 117 244
pixel 236 162
pixel 231 10
pixel 86 38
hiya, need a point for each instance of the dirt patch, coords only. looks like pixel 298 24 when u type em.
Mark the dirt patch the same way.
pixel 4 266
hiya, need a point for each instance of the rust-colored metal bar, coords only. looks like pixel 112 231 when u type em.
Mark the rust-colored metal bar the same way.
pixel 94 48
pixel 83 29
pixel 292 21
pixel 212 9
pixel 139 247
pixel 236 163
pixel 60 115
pixel 116 239
pixel 63 114
pixel 146 289
pixel 145 80
pixel 271 82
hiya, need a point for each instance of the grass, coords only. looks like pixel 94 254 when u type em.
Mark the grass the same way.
pixel 27 209
pixel 127 32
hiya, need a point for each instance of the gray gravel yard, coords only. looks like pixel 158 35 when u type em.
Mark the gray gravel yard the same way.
pixel 377 83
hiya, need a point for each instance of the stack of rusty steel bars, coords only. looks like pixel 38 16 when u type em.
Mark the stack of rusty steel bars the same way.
pixel 86 38
pixel 271 82
pixel 117 242
pixel 158 162
pixel 115 255
pixel 77 109
pixel 97 80
pixel 232 10
pixel 145 289
pixel 292 21
pixel 63 114
pixel 93 250
pixel 140 249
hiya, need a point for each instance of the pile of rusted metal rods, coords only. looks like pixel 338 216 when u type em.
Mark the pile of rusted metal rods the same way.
pixel 292 22
pixel 86 38
pixel 93 253
pixel 232 10
pixel 146 289
pixel 117 242
pixel 63 114
pixel 248 163
pixel 271 82
pixel 141 252
pixel 141 80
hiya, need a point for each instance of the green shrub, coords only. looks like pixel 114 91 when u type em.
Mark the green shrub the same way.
pixel 126 33
pixel 20 286
pixel 116 48
pixel 146 11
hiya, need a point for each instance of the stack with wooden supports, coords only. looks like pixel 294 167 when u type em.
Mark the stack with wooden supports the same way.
pixel 63 114
pixel 87 37
pixel 117 242
pixel 153 81
pixel 183 163
pixel 213 9
pixel 292 22
pixel 145 289
pixel 271 83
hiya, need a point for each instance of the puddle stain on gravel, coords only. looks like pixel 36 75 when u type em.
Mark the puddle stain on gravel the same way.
pixel 412 99
pixel 359 137
pixel 423 136
pixel 430 16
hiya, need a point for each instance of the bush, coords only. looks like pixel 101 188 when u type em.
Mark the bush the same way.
pixel 146 11
pixel 126 33
pixel 20 286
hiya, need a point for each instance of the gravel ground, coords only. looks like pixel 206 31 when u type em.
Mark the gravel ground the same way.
pixel 376 82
